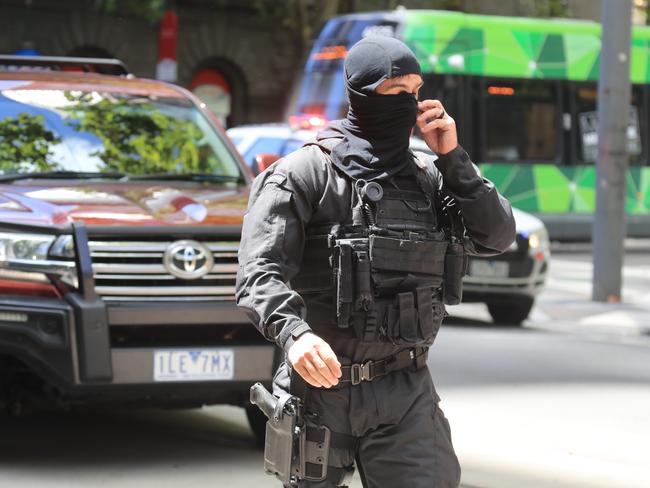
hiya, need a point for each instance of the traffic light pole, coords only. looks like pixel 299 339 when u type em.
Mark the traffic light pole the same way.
pixel 613 118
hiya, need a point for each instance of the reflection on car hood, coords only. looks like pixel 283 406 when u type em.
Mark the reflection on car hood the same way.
pixel 130 203
pixel 142 203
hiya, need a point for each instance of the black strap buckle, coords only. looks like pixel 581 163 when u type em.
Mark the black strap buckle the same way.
pixel 360 372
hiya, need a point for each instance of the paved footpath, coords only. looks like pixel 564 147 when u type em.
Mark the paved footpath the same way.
pixel 565 305
pixel 593 433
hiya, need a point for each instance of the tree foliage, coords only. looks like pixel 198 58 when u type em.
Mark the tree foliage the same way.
pixel 152 10
pixel 26 144
pixel 546 8
pixel 138 138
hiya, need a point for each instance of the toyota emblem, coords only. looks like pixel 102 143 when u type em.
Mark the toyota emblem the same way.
pixel 188 260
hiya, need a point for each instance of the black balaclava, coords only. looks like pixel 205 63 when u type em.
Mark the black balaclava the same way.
pixel 375 134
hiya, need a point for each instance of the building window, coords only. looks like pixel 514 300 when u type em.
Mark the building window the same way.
pixel 585 97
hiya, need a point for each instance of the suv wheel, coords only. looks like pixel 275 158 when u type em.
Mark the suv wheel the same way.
pixel 510 312
pixel 257 422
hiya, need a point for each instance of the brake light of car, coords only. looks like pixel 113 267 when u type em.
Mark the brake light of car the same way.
pixel 307 121
pixel 539 244
pixel 264 160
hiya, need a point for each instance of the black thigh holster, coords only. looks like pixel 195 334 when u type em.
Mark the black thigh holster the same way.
pixel 297 446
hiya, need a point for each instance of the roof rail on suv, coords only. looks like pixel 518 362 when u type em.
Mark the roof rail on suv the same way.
pixel 106 66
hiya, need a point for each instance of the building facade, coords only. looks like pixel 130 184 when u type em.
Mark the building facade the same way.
pixel 240 59
pixel 232 57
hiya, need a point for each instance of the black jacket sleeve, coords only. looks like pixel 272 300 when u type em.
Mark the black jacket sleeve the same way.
pixel 486 214
pixel 271 249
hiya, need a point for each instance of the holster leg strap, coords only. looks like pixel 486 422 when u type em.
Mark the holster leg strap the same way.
pixel 340 476
pixel 337 439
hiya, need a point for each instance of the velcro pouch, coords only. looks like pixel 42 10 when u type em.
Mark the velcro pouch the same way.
pixel 412 318
pixel 425 312
pixel 400 264
pixel 408 319
pixel 455 269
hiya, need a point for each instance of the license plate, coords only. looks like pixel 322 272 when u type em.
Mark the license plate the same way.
pixel 489 269
pixel 193 364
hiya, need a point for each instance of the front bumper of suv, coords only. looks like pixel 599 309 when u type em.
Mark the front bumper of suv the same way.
pixel 47 336
pixel 97 351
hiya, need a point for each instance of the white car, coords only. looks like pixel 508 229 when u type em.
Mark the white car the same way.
pixel 507 283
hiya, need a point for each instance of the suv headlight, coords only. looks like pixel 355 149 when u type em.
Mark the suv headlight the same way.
pixel 63 247
pixel 25 257
pixel 33 247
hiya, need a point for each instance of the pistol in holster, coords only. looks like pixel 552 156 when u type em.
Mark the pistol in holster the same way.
pixel 288 455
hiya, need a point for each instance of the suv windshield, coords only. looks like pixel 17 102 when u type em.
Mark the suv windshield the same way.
pixel 55 130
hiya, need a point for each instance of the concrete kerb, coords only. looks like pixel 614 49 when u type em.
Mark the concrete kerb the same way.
pixel 631 245
pixel 584 317
pixel 566 305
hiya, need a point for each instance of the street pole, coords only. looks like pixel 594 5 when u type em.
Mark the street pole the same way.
pixel 613 119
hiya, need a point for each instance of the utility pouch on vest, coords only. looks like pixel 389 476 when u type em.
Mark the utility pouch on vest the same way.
pixel 402 264
pixel 455 269
pixel 295 448
pixel 342 256
pixel 411 318
pixel 363 299
pixel 352 276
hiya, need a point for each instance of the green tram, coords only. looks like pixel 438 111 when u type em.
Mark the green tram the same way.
pixel 523 93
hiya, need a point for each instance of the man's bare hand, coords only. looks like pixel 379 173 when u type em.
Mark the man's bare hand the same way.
pixel 437 127
pixel 315 361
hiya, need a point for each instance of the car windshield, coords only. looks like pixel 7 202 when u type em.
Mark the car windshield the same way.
pixel 56 130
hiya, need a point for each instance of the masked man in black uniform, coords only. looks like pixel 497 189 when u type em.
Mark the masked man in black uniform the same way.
pixel 350 248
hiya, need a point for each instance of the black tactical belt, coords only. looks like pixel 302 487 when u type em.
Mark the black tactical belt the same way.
pixel 368 371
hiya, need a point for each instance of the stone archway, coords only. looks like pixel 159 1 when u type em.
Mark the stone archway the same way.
pixel 221 85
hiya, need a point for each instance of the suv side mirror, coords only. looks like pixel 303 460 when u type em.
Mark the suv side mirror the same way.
pixel 264 160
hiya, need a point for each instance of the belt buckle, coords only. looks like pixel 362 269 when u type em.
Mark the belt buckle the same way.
pixel 360 372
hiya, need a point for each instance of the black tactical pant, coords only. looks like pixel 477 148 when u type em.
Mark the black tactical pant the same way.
pixel 404 439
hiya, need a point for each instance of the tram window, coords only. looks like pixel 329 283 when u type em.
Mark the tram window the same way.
pixel 587 125
pixel 520 121
pixel 446 88
pixel 450 90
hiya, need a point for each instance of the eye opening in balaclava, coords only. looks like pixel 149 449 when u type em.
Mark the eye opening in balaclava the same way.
pixel 375 134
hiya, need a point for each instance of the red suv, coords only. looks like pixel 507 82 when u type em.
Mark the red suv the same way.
pixel 121 202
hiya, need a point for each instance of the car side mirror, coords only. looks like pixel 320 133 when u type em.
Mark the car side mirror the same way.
pixel 264 160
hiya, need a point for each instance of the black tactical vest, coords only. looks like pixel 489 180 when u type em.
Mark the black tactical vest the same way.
pixel 389 268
